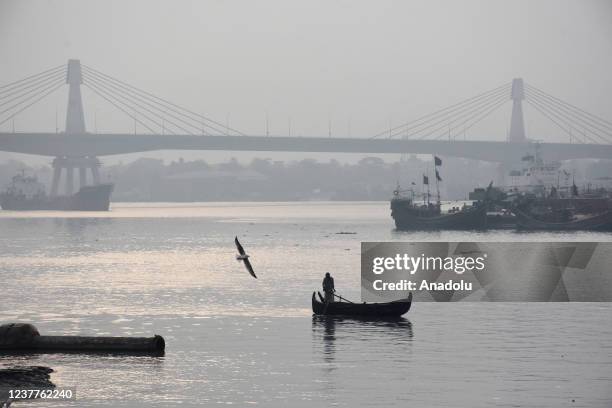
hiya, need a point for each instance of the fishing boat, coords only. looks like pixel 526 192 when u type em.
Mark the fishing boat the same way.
pixel 375 310
pixel 409 216
pixel 574 222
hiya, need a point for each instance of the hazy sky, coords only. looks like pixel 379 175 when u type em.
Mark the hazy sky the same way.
pixel 367 63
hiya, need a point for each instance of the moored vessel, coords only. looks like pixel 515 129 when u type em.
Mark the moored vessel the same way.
pixel 543 196
pixel 26 193
pixel 568 222
pixel 411 215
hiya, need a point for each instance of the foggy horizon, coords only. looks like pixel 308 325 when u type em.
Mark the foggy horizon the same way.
pixel 361 68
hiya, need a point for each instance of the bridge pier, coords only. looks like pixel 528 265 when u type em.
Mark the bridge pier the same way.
pixel 69 180
pixel 82 176
pixel 95 173
pixel 57 172
pixel 70 164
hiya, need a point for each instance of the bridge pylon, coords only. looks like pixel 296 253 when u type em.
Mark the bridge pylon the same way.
pixel 517 122
pixel 75 125
pixel 75 118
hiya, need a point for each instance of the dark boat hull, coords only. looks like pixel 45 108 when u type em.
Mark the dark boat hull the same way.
pixel 88 198
pixel 599 222
pixel 408 219
pixel 501 221
pixel 586 205
pixel 374 310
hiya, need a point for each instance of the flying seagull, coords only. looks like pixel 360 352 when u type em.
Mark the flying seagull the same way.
pixel 244 258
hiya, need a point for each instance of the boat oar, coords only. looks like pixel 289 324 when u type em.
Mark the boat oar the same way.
pixel 340 297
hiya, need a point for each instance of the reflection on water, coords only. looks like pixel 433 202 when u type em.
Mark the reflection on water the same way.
pixel 141 270
pixel 393 330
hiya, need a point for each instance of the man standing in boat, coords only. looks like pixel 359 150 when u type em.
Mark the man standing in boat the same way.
pixel 328 288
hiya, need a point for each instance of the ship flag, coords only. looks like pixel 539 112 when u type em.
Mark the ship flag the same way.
pixel 437 161
pixel 438 176
pixel 425 179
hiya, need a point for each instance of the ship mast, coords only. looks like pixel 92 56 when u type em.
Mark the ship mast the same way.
pixel 437 162
pixel 437 181
pixel 428 195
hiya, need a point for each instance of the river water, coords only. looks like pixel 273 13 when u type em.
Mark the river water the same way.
pixel 169 269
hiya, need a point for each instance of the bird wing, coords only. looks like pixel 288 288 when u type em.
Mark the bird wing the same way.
pixel 240 248
pixel 249 267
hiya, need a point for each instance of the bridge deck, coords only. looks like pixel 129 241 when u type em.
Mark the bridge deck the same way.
pixel 78 145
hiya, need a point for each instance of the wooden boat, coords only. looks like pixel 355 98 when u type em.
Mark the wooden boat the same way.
pixel 409 216
pixel 597 222
pixel 376 310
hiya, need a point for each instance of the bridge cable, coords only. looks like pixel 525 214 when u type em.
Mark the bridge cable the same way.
pixel 493 108
pixel 568 122
pixel 469 114
pixel 594 117
pixel 35 89
pixel 116 102
pixel 100 94
pixel 3 88
pixel 600 124
pixel 559 118
pixel 126 93
pixel 461 113
pixel 468 117
pixel 442 111
pixel 59 85
pixel 164 101
pixel 131 102
pixel 160 120
pixel 572 119
pixel 549 116
pixel 595 127
pixel 135 91
pixel 30 84
pixel 42 90
pixel 447 112
pixel 136 99
pixel 445 123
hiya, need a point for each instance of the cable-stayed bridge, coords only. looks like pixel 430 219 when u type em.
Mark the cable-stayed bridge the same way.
pixel 172 127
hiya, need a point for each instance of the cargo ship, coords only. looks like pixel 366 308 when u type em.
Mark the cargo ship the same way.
pixel 410 215
pixel 536 200
pixel 26 193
